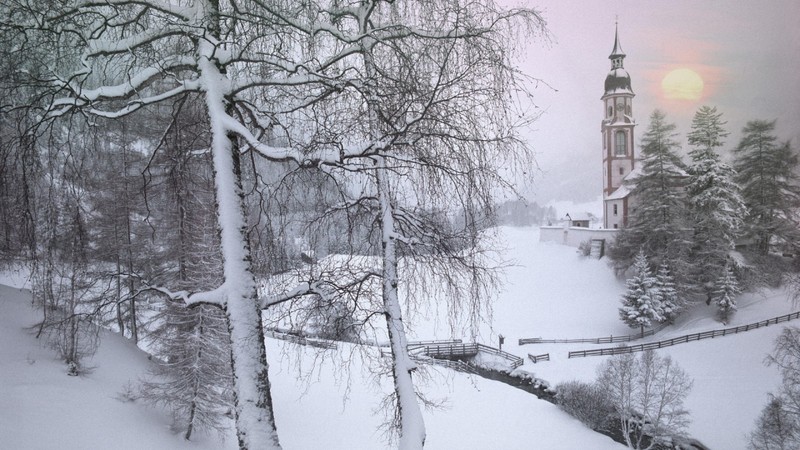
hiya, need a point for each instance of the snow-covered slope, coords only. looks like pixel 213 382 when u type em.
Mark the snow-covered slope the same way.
pixel 554 293
pixel 43 408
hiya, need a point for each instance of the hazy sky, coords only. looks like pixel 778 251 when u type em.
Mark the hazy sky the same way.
pixel 746 52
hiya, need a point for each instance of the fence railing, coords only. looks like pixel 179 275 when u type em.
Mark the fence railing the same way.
pixel 537 358
pixel 451 364
pixel 418 344
pixel 684 339
pixel 320 343
pixel 516 361
pixel 599 340
pixel 440 350
pixel 447 350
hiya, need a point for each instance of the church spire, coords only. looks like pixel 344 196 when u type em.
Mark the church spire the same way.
pixel 618 81
pixel 617 55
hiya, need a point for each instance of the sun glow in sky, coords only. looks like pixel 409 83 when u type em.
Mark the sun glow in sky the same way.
pixel 742 52
pixel 682 84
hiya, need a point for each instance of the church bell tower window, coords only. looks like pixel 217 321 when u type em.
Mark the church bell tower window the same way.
pixel 619 141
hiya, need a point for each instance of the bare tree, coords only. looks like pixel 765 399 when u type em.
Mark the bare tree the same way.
pixel 410 99
pixel 647 395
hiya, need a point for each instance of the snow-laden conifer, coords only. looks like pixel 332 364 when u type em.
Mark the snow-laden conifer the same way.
pixel 657 223
pixel 726 289
pixel 715 202
pixel 767 173
pixel 641 303
pixel 667 295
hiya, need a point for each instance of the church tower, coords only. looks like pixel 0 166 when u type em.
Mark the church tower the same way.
pixel 617 131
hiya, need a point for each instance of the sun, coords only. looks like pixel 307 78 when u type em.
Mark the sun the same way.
pixel 682 84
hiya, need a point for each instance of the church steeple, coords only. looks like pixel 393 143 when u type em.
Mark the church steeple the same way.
pixel 618 81
pixel 617 55
pixel 617 128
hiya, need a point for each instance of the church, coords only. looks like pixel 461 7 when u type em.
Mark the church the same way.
pixel 618 161
pixel 617 129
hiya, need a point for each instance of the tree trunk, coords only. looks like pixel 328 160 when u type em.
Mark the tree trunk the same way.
pixel 129 241
pixel 412 426
pixel 255 422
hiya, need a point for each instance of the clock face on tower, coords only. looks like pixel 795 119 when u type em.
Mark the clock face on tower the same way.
pixel 620 107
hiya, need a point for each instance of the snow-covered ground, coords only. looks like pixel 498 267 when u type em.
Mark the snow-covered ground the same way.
pixel 550 292
pixel 325 408
pixel 554 293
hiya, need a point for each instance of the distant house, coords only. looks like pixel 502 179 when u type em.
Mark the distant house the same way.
pixel 580 220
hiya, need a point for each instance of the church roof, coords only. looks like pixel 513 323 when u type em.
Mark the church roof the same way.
pixel 628 182
pixel 618 82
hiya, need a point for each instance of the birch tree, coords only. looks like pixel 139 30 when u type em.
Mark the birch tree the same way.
pixel 647 395
pixel 312 83
pixel 427 87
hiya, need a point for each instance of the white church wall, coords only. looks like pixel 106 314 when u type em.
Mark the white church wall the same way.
pixel 573 236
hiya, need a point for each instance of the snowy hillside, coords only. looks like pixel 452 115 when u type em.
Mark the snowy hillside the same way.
pixel 329 407
pixel 554 293
pixel 550 292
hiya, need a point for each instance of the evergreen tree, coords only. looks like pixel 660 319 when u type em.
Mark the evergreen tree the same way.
pixel 193 377
pixel 641 304
pixel 667 295
pixel 715 202
pixel 658 219
pixel 767 174
pixel 726 289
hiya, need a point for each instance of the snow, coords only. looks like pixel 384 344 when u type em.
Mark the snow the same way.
pixel 329 407
pixel 550 292
pixel 43 408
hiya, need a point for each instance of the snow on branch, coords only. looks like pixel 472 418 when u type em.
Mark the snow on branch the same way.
pixel 84 97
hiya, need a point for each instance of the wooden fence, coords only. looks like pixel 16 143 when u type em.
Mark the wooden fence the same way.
pixel 684 339
pixel 417 344
pixel 293 338
pixel 536 358
pixel 458 365
pixel 599 340
pixel 516 361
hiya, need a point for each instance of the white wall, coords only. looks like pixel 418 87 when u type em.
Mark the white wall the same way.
pixel 573 236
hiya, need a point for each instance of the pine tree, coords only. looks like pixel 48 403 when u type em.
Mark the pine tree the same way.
pixel 193 377
pixel 767 174
pixel 715 202
pixel 726 289
pixel 667 295
pixel 641 304
pixel 658 218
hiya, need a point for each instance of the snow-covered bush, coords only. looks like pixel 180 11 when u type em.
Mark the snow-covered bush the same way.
pixel 586 402
pixel 585 248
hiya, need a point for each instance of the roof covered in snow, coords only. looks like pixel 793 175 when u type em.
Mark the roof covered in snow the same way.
pixel 618 82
